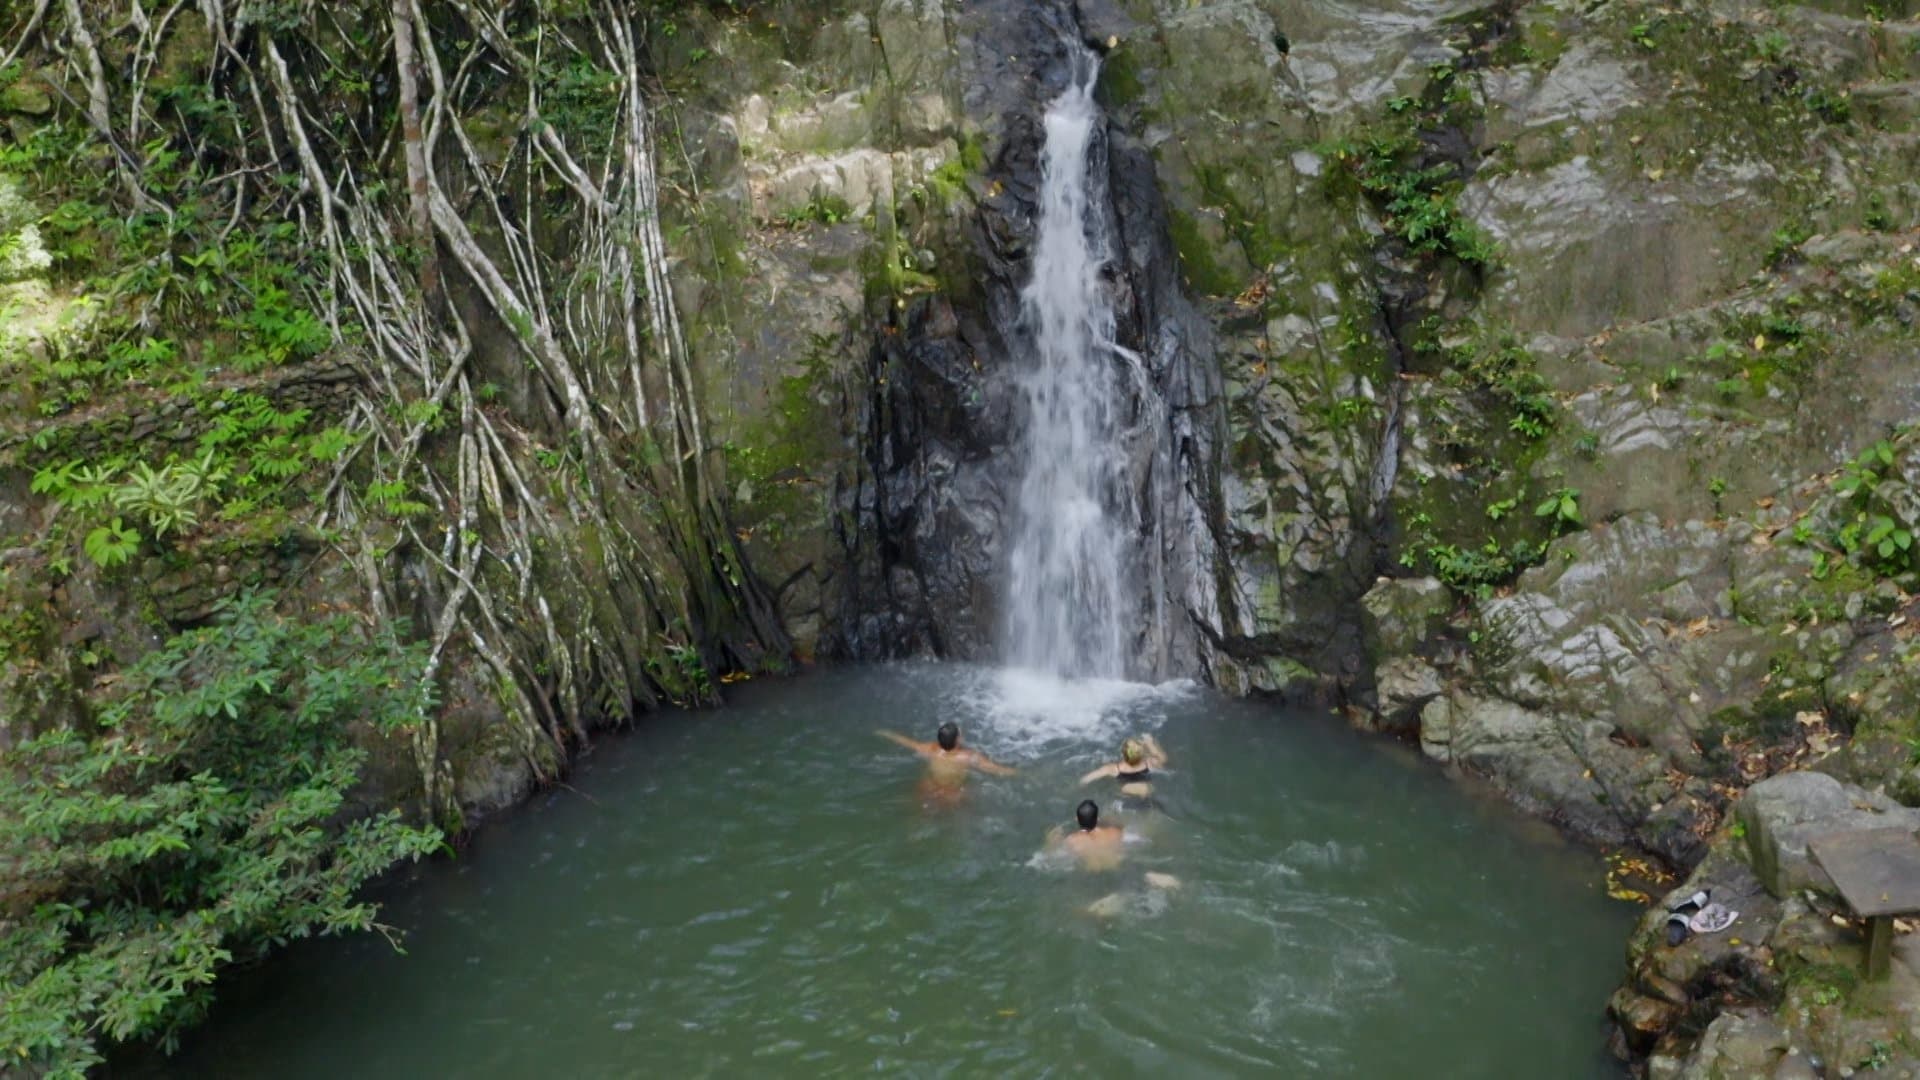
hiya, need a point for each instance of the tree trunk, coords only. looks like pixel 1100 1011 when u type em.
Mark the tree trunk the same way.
pixel 419 218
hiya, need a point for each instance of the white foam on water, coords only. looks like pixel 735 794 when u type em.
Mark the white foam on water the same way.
pixel 1025 711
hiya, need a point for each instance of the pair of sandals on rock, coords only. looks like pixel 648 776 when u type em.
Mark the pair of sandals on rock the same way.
pixel 1697 914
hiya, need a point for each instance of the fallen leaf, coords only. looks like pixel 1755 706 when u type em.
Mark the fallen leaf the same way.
pixel 1759 342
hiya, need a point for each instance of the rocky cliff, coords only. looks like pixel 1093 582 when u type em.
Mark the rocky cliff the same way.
pixel 1531 379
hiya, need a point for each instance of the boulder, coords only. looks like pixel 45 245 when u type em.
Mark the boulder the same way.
pixel 1405 685
pixel 1399 615
pixel 1641 1019
pixel 1739 1044
pixel 27 98
pixel 1782 813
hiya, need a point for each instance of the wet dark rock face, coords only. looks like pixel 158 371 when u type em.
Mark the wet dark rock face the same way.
pixel 927 520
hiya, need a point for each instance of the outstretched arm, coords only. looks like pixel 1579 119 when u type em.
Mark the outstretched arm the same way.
pixel 913 745
pixel 1101 773
pixel 1156 754
pixel 986 764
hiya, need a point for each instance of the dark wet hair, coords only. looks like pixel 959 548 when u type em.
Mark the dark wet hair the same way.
pixel 1088 813
pixel 948 735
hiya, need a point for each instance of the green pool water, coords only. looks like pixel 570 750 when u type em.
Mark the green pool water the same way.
pixel 760 891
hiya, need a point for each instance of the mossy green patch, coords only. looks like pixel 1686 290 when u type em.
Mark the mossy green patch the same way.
pixel 1203 269
pixel 1120 85
pixel 777 456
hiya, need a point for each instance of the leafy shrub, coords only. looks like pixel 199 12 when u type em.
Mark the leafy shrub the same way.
pixel 1476 571
pixel 1561 508
pixel 1869 521
pixel 112 544
pixel 201 823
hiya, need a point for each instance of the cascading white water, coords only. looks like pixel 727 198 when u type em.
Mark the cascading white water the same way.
pixel 1068 606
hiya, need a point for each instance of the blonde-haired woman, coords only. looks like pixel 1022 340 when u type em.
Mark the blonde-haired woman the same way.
pixel 1139 756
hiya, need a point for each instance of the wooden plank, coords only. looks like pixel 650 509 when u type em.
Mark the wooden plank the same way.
pixel 1879 946
pixel 1876 870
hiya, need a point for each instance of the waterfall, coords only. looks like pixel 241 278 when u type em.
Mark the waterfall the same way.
pixel 1071 604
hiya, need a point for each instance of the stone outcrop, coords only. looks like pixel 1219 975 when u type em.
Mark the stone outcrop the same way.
pixel 1779 992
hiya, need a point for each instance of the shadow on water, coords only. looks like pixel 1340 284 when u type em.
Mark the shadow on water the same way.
pixel 763 890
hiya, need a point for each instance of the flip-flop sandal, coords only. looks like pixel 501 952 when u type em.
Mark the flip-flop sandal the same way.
pixel 1712 919
pixel 1692 903
pixel 1677 928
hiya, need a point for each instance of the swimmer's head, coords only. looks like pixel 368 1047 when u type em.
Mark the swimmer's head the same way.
pixel 1132 751
pixel 948 735
pixel 1087 813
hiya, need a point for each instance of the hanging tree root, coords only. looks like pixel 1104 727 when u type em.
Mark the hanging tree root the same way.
pixel 568 584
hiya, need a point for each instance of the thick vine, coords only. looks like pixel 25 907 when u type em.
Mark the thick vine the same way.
pixel 604 576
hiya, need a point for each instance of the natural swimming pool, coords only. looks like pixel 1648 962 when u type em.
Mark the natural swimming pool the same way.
pixel 759 890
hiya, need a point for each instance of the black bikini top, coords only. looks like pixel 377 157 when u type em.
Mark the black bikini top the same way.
pixel 1140 777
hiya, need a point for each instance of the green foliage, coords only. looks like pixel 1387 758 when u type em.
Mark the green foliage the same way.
pixel 1868 524
pixel 1476 571
pixel 1203 270
pixel 581 99
pixel 199 824
pixel 1419 201
pixel 822 210
pixel 168 498
pixel 1821 982
pixel 1503 370
pixel 1418 193
pixel 1561 508
pixel 693 670
pixel 276 330
pixel 1785 243
pixel 112 544
pixel 948 180
pixel 776 458
pixel 1876 216
pixel 394 498
pixel 1835 107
